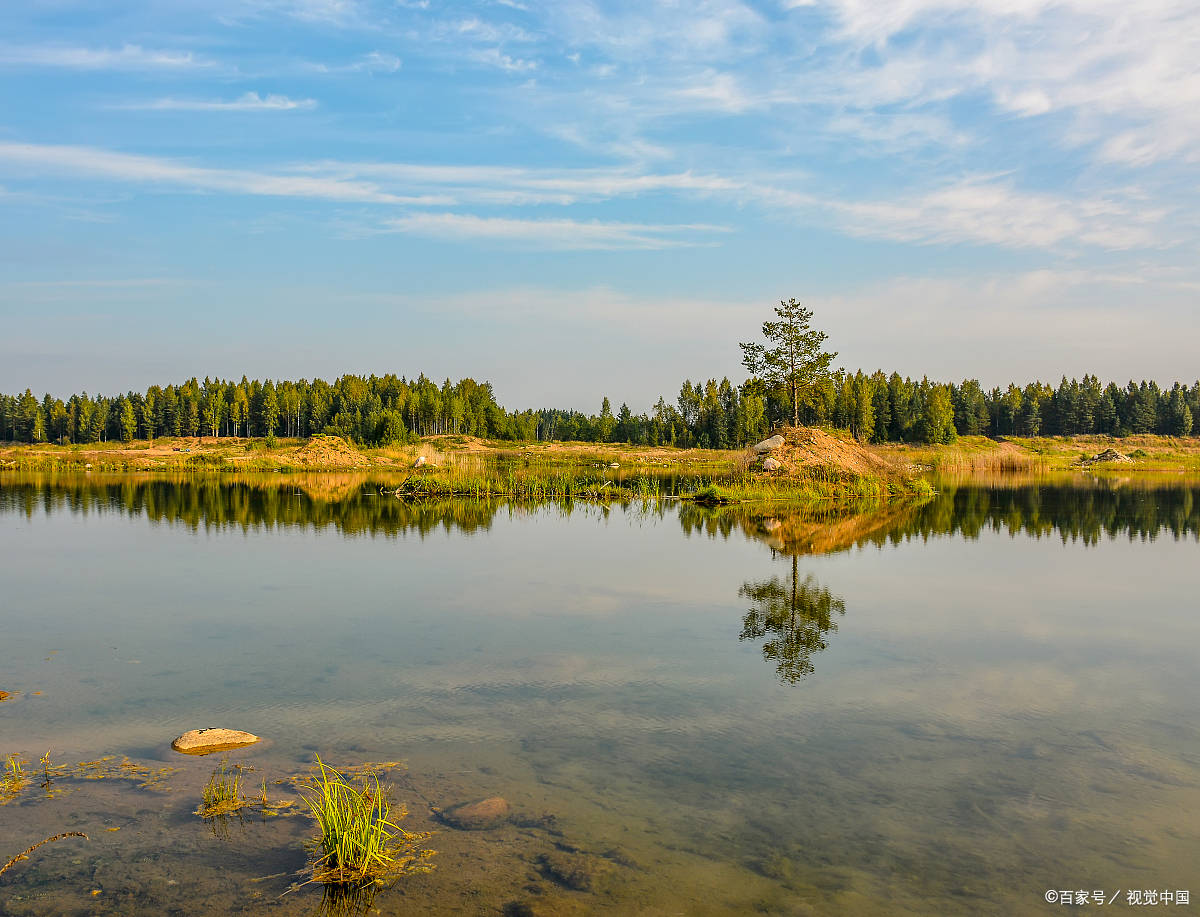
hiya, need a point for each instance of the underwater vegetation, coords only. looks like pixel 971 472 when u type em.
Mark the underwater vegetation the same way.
pixel 24 854
pixel 14 779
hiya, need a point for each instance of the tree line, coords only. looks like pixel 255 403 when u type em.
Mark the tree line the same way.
pixel 385 410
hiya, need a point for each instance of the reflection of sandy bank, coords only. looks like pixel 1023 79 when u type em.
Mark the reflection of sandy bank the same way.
pixel 818 531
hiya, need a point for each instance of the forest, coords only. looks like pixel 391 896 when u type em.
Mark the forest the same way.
pixel 386 410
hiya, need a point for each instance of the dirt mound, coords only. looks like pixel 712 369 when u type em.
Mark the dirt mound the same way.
pixel 329 452
pixel 808 447
pixel 1108 455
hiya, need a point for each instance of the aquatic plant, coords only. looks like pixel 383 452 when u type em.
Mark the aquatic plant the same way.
pixel 13 780
pixel 359 841
pixel 222 792
pixel 24 854
pixel 223 796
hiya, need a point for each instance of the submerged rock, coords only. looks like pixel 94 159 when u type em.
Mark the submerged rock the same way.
pixel 768 445
pixel 205 741
pixel 570 870
pixel 477 816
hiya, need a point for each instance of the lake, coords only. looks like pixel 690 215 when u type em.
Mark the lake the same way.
pixel 966 706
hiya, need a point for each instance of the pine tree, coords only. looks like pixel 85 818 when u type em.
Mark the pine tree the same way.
pixel 794 359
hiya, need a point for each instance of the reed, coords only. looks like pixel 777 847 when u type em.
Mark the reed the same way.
pixel 360 841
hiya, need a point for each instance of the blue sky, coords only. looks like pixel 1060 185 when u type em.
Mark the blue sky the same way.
pixel 580 198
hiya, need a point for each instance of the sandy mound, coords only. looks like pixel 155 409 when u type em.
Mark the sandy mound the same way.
pixel 329 452
pixel 807 447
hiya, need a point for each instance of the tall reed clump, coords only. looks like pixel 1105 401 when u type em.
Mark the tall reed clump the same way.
pixel 360 842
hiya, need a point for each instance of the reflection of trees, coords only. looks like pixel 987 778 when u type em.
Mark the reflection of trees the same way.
pixel 1086 511
pixel 794 616
pixel 352 505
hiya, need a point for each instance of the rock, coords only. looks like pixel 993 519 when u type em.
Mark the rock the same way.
pixel 570 870
pixel 1108 455
pixel 770 464
pixel 477 816
pixel 206 741
pixel 768 445
pixel 419 462
pixel 615 465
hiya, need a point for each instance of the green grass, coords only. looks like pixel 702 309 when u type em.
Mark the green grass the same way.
pixel 13 779
pixel 360 841
pixel 222 793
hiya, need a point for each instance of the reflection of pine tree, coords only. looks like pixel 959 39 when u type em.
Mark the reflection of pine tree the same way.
pixel 794 616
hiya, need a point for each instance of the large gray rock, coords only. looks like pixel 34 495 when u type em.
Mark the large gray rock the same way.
pixel 477 816
pixel 206 741
pixel 768 445
pixel 770 464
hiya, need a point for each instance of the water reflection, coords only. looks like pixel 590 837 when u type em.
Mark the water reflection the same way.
pixel 1076 508
pixel 1082 510
pixel 794 618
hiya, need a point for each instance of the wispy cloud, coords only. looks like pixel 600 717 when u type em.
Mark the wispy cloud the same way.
pixel 985 210
pixel 554 234
pixel 993 213
pixel 372 62
pixel 250 101
pixel 126 57
pixel 151 170
pixel 494 57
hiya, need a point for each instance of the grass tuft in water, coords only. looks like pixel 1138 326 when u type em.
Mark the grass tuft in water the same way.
pixel 223 795
pixel 360 842
pixel 13 780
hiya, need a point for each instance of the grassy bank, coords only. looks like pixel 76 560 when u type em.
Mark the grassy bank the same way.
pixel 441 467
pixel 980 455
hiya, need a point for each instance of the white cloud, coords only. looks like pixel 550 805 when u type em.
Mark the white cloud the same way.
pixel 373 62
pixel 984 211
pixel 555 234
pixel 127 57
pixel 494 57
pixel 250 101
pixel 126 167
pixel 992 213
pixel 1106 67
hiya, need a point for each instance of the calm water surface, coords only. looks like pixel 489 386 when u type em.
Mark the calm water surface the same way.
pixel 948 708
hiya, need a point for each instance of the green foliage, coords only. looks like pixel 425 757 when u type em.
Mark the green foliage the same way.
pixel 937 417
pixel 359 840
pixel 717 414
pixel 792 356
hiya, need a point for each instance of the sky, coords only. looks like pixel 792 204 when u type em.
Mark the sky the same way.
pixel 577 199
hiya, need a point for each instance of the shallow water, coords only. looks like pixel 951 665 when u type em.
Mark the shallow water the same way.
pixel 947 708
